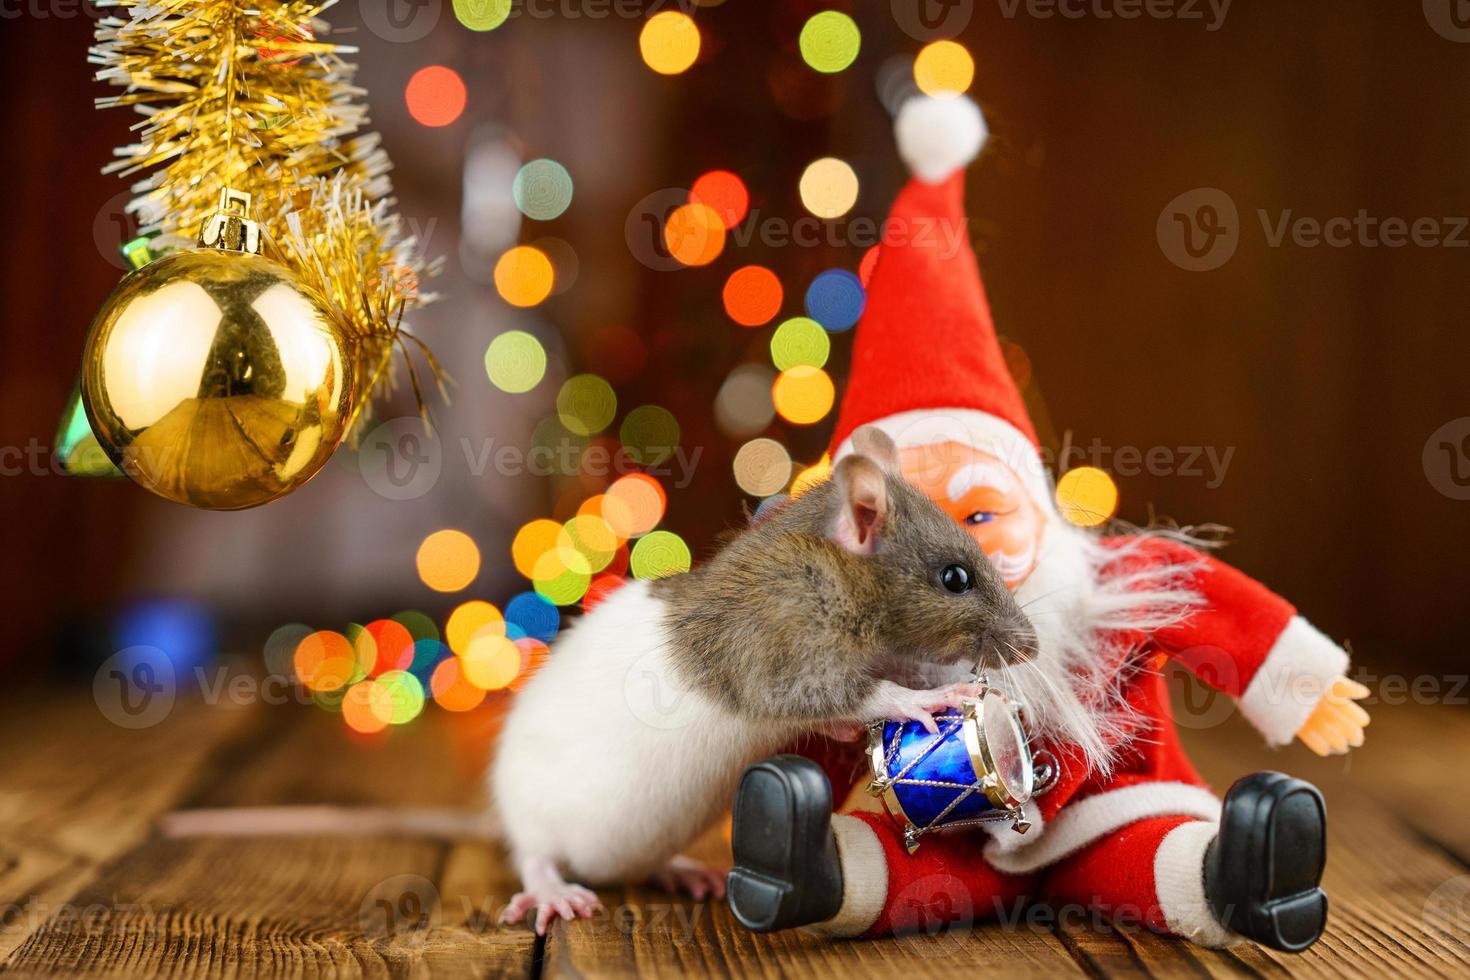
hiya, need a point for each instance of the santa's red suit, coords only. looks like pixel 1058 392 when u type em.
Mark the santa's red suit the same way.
pixel 928 370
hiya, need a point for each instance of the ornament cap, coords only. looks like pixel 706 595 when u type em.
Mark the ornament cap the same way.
pixel 231 229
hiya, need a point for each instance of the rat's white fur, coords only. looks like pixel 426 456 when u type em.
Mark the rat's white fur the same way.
pixel 607 765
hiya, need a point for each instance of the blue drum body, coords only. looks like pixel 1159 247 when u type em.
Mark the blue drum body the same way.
pixel 935 781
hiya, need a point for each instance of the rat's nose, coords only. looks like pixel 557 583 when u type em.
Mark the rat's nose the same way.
pixel 1012 643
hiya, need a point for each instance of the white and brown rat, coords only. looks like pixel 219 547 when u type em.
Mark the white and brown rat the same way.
pixel 629 742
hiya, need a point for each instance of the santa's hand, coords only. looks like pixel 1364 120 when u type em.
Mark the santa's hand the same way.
pixel 1337 723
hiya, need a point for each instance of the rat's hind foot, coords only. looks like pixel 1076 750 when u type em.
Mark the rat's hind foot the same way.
pixel 551 897
pixel 684 875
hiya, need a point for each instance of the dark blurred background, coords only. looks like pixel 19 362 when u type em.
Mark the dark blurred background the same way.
pixel 1333 375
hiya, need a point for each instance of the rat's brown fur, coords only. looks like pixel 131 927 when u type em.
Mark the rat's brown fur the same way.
pixel 786 623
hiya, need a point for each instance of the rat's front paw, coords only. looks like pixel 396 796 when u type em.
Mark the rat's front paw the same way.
pixel 902 704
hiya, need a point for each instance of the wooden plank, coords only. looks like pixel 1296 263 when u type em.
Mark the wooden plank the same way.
pixel 1395 898
pixel 306 906
pixel 79 791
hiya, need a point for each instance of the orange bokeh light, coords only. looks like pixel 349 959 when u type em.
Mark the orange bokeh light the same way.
pixel 325 661
pixel 383 645
pixel 634 505
pixel 694 234
pixel 435 96
pixel 752 295
pixel 452 689
pixel 448 560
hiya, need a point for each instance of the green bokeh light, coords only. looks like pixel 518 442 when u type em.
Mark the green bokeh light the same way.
pixel 800 340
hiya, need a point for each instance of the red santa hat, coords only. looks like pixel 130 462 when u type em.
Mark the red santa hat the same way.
pixel 927 367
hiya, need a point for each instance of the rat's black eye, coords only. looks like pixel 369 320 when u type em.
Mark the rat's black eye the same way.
pixel 957 579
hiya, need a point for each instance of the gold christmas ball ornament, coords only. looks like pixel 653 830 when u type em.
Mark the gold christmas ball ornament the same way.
pixel 214 377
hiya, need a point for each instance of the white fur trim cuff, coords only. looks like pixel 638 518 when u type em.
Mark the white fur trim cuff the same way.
pixel 973 428
pixel 1083 821
pixel 1179 883
pixel 1291 681
pixel 1004 839
pixel 864 879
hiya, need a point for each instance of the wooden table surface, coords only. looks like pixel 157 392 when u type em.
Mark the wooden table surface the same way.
pixel 89 887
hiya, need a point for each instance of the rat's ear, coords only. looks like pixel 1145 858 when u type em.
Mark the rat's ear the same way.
pixel 877 445
pixel 863 504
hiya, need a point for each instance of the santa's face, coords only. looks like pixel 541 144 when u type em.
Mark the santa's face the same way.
pixel 986 497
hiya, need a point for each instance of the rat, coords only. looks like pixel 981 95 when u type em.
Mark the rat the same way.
pixel 630 740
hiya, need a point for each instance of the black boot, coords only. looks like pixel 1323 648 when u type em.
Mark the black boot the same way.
pixel 1262 872
pixel 786 870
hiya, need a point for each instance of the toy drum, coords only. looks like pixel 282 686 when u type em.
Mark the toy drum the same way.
pixel 978 768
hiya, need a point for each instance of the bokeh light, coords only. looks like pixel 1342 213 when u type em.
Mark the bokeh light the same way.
pixel 448 560
pixel 649 434
pixel 803 394
pixel 491 662
pixel 515 361
pixel 752 295
pixel 524 276
pixel 829 41
pixel 828 187
pixel 435 96
pixel 669 42
pixel 420 626
pixel 468 619
pixel 723 192
pixel 694 234
pixel 384 645
pixel 405 696
pixel 800 340
pixel 659 554
pixel 542 189
pixel 812 475
pixel 762 467
pixel 835 299
pixel 452 689
pixel 591 536
pixel 944 68
pixel 482 15
pixel 280 648
pixel 743 405
pixel 366 707
pixel 634 505
pixel 586 404
pixel 326 661
pixel 562 575
pixel 533 616
pixel 1087 496
pixel 533 540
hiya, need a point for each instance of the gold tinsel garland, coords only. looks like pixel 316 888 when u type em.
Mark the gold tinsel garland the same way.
pixel 246 95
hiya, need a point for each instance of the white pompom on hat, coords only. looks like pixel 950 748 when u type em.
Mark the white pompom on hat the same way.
pixel 939 135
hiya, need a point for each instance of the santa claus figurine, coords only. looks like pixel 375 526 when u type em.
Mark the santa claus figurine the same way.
pixel 1128 829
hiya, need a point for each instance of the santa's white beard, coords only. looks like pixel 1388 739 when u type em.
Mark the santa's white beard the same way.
pixel 1072 688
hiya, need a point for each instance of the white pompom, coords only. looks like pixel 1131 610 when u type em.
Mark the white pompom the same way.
pixel 937 136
